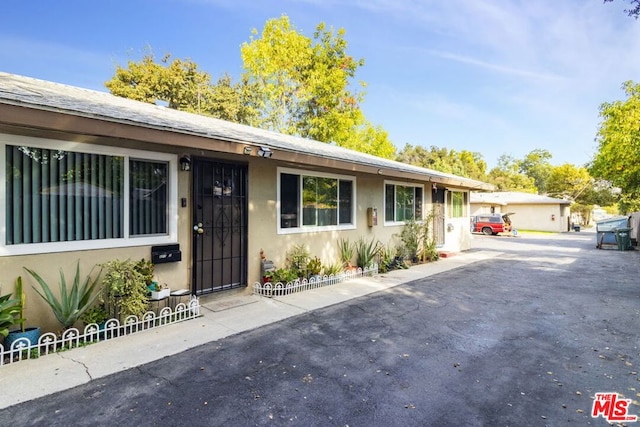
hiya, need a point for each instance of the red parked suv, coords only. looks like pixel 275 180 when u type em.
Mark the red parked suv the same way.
pixel 490 224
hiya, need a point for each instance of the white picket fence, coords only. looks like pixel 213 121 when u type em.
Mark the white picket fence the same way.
pixel 50 342
pixel 278 289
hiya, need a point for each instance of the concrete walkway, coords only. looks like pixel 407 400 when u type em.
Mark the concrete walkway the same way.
pixel 221 317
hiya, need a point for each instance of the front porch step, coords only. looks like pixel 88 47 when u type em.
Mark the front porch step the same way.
pixel 445 254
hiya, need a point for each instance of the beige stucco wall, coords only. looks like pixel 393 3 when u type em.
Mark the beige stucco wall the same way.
pixel 48 266
pixel 536 217
pixel 262 231
pixel 458 234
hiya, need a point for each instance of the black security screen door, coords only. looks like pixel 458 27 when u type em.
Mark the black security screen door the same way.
pixel 219 226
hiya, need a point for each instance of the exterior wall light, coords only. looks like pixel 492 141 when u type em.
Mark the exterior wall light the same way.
pixel 185 163
pixel 265 152
pixel 247 150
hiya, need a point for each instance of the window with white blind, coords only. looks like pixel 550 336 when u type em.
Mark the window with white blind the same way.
pixel 58 197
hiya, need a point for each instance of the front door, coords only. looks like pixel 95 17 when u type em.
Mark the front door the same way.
pixel 219 226
pixel 437 199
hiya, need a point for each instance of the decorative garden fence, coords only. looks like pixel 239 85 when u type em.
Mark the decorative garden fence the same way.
pixel 50 342
pixel 277 289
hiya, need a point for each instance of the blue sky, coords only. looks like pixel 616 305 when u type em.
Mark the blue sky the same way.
pixel 492 76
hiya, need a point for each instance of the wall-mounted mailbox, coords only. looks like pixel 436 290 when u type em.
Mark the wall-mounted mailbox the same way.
pixel 165 253
pixel 372 217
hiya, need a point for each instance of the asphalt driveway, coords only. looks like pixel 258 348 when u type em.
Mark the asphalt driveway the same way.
pixel 526 338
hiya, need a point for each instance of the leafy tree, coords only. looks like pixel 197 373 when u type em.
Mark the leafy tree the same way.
pixel 473 165
pixel 234 102
pixel 574 183
pixel 177 82
pixel 536 165
pixel 305 88
pixel 635 8
pixel 506 176
pixel 568 182
pixel 182 86
pixel 371 139
pixel 277 63
pixel 464 163
pixel 619 146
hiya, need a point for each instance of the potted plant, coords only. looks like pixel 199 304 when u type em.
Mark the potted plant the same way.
pixel 74 301
pixel 96 314
pixel 32 334
pixel 9 313
pixel 346 254
pixel 146 269
pixel 158 291
pixel 314 268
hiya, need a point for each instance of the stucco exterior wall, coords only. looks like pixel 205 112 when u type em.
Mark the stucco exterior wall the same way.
pixel 323 244
pixel 458 235
pixel 262 229
pixel 536 217
pixel 539 217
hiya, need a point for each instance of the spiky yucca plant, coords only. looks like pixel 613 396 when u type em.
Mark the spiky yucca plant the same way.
pixel 73 302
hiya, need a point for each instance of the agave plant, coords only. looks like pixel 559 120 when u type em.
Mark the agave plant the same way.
pixel 73 302
pixel 366 252
pixel 346 252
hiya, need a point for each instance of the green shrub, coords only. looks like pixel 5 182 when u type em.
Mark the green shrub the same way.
pixel 298 260
pixel 282 275
pixel 124 289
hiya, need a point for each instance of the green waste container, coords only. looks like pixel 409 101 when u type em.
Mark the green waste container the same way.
pixel 623 237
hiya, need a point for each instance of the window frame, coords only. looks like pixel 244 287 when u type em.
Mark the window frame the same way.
pixel 313 228
pixel 402 184
pixel 79 245
pixel 451 195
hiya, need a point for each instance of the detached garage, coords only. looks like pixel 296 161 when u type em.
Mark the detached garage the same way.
pixel 528 211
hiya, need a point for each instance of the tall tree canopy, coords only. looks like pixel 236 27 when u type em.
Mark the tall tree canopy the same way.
pixel 177 82
pixel 305 87
pixel 291 84
pixel 536 166
pixel 182 86
pixel 568 182
pixel 618 140
pixel 506 176
pixel 464 163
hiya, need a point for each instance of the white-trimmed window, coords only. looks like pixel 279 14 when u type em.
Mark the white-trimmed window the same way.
pixel 457 204
pixel 314 200
pixel 402 202
pixel 60 196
